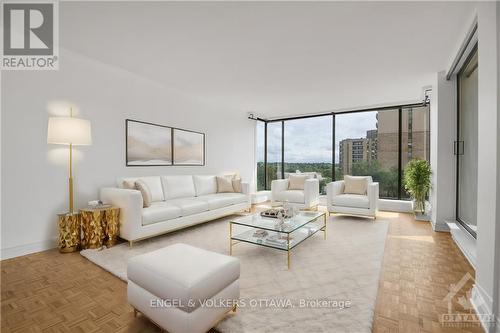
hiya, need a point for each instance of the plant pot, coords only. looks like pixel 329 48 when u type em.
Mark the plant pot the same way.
pixel 422 215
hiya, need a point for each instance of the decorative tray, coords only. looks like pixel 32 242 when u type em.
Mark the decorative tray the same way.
pixel 273 213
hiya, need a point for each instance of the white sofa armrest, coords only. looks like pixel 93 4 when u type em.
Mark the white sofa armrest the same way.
pixel 277 186
pixel 130 203
pixel 372 192
pixel 311 193
pixel 335 188
pixel 245 188
pixel 332 190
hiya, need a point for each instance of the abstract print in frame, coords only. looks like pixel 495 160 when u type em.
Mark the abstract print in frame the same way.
pixel 189 147
pixel 148 144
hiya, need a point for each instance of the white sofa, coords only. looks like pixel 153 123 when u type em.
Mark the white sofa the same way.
pixel 352 204
pixel 189 280
pixel 177 202
pixel 304 199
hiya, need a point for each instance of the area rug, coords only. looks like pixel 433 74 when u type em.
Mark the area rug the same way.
pixel 331 285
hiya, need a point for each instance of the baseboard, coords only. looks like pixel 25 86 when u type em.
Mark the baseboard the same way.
pixel 440 226
pixel 401 206
pixel 21 250
pixel 482 304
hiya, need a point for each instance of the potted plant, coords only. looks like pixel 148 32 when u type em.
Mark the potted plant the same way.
pixel 417 181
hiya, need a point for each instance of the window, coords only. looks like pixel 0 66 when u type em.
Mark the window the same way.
pixel 260 155
pixel 308 148
pixel 274 153
pixel 377 143
pixel 415 138
pixel 367 145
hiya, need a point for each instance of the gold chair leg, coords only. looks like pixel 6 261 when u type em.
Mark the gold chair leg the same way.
pixel 130 244
pixel 136 312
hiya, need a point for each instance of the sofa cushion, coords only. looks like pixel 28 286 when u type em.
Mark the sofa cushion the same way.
pixel 351 200
pixel 178 186
pixel 205 185
pixel 220 200
pixel 153 183
pixel 190 206
pixel 182 272
pixel 293 196
pixel 160 211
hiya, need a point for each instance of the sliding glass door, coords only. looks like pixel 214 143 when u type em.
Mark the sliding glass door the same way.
pixel 466 144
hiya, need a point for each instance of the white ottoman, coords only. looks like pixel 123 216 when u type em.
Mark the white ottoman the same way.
pixel 169 287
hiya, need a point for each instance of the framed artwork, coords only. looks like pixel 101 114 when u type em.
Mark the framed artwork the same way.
pixel 148 144
pixel 189 147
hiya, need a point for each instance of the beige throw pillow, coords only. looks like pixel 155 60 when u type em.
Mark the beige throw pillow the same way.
pixel 237 185
pixel 129 185
pixel 297 182
pixel 225 184
pixel 145 192
pixel 355 185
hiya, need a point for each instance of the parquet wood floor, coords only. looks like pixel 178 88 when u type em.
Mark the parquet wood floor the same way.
pixel 53 292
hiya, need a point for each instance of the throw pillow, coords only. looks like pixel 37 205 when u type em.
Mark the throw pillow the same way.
pixel 146 193
pixel 355 185
pixel 297 182
pixel 129 185
pixel 225 184
pixel 237 185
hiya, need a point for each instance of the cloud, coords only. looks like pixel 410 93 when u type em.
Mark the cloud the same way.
pixel 309 140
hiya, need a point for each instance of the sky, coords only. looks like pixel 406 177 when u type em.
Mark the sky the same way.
pixel 309 140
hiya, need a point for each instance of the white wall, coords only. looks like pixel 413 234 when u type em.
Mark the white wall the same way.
pixel 34 174
pixel 488 90
pixel 497 273
pixel 443 124
pixel 486 293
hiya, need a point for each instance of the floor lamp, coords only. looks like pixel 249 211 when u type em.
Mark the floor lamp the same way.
pixel 69 131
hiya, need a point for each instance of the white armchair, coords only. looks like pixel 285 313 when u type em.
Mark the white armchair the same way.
pixel 304 199
pixel 352 204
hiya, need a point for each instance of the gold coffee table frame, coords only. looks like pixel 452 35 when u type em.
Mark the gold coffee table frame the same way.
pixel 297 229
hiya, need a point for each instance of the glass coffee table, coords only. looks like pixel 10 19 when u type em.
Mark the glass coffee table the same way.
pixel 266 231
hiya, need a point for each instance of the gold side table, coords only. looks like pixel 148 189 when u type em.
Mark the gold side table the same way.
pixel 69 232
pixel 100 226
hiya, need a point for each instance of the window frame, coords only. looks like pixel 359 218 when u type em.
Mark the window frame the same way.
pixel 399 107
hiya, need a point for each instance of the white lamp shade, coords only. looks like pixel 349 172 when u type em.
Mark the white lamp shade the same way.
pixel 69 130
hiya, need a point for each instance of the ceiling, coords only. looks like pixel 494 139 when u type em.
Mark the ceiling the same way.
pixel 274 58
